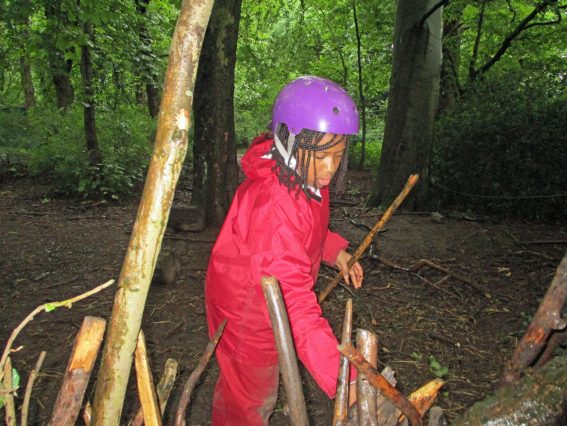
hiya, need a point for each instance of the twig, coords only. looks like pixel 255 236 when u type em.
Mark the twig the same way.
pixel 46 307
pixel 33 375
pixel 194 377
pixel 379 225
pixel 10 407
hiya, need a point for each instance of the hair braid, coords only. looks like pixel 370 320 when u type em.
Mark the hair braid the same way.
pixel 308 141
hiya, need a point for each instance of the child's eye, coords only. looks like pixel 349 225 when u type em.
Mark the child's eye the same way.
pixel 320 156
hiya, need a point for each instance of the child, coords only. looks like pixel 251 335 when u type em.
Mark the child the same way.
pixel 277 226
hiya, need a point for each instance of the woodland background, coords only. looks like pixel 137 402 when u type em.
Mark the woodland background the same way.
pixel 80 89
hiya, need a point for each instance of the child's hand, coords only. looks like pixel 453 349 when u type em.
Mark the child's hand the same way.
pixel 356 274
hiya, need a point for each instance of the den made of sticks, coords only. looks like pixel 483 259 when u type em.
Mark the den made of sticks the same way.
pixel 454 205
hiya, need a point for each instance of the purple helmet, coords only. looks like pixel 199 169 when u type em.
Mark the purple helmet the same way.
pixel 315 103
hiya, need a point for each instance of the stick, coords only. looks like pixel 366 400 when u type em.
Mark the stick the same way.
pixel 547 319
pixel 194 377
pixel 163 390
pixel 366 242
pixel 8 396
pixel 45 307
pixel 146 389
pixel 83 357
pixel 340 412
pixel 286 351
pixel 367 344
pixel 380 383
pixel 33 375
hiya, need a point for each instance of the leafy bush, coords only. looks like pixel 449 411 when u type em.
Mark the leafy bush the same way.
pixel 503 149
pixel 55 143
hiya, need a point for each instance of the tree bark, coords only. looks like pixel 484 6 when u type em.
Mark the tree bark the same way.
pixel 59 67
pixel 25 67
pixel 214 113
pixel 139 263
pixel 412 104
pixel 89 113
pixel 146 58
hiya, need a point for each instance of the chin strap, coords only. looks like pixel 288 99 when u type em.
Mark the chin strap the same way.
pixel 289 160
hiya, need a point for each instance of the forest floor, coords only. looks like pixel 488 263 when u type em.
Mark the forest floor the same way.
pixel 53 248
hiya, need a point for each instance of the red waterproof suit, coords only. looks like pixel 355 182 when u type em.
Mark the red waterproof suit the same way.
pixel 268 231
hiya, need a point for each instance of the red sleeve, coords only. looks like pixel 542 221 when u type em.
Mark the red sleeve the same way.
pixel 334 243
pixel 287 261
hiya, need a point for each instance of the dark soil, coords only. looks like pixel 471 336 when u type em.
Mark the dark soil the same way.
pixel 52 249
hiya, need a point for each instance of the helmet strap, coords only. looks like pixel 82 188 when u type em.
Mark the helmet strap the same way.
pixel 289 160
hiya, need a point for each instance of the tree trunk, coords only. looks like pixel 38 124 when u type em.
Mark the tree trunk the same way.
pixel 214 112
pixel 170 149
pixel 414 92
pixel 27 83
pixel 59 67
pixel 450 91
pixel 25 68
pixel 89 113
pixel 146 58
pixel 362 105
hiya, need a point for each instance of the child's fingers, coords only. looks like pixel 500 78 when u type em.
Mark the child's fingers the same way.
pixel 346 277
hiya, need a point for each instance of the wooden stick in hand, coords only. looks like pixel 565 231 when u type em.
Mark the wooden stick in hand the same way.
pixel 412 180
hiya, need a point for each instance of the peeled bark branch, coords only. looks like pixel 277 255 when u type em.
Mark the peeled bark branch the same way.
pixel 340 413
pixel 165 167
pixel 380 383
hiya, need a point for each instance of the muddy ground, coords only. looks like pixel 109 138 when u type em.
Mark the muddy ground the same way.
pixel 463 329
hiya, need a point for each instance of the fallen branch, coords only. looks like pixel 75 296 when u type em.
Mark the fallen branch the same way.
pixel 547 319
pixel 47 307
pixel 368 239
pixel 194 377
pixel 27 395
pixel 380 383
pixel 286 351
pixel 424 262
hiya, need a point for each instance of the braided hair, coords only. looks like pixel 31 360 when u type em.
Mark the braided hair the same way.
pixel 292 172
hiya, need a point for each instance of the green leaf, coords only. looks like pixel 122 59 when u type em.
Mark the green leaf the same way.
pixel 15 378
pixel 49 307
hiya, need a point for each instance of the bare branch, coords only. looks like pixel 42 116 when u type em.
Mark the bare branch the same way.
pixel 523 25
pixel 432 11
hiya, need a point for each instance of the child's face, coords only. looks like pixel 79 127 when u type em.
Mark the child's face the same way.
pixel 324 164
